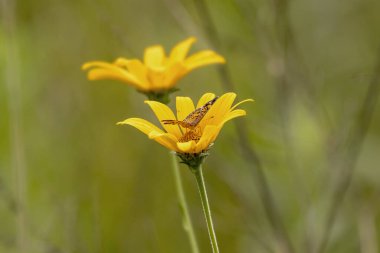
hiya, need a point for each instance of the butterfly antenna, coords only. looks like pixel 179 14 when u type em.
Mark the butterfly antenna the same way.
pixel 170 121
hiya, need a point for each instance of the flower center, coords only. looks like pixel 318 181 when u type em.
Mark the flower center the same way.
pixel 191 135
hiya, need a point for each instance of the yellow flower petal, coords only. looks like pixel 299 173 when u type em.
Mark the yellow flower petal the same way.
pixel 136 68
pixel 234 114
pixel 245 100
pixel 99 64
pixel 205 98
pixel 106 74
pixel 105 70
pixel 184 107
pixel 179 52
pixel 154 56
pixel 208 136
pixel 163 112
pixel 186 147
pixel 167 140
pixel 122 62
pixel 102 65
pixel 141 124
pixel 173 74
pixel 203 58
pixel 157 79
pixel 218 110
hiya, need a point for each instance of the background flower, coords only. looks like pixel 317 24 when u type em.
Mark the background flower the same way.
pixel 158 72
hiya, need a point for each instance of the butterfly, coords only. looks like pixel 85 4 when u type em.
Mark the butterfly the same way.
pixel 192 120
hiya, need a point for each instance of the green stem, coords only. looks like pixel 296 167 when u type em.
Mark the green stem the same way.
pixel 186 220
pixel 206 207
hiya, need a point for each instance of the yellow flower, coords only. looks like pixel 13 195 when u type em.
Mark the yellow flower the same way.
pixel 189 140
pixel 158 73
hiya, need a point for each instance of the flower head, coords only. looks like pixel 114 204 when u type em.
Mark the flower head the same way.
pixel 185 138
pixel 158 73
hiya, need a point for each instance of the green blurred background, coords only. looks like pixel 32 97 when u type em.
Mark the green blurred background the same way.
pixel 73 181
